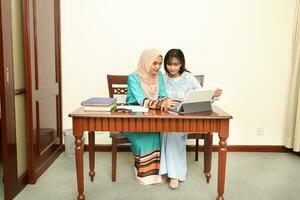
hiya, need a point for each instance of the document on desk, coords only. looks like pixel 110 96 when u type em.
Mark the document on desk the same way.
pixel 133 108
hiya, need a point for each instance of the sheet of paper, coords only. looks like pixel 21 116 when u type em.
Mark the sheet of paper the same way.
pixel 134 108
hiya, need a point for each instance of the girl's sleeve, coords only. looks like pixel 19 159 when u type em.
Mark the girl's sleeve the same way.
pixel 195 83
pixel 135 92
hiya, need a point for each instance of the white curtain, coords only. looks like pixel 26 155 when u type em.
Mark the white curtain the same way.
pixel 293 118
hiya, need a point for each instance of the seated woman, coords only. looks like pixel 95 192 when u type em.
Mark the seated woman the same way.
pixel 146 87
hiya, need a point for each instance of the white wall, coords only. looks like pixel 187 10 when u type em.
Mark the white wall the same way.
pixel 242 46
pixel 19 82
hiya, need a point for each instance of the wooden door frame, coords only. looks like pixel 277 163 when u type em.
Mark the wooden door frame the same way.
pixel 33 173
pixel 12 183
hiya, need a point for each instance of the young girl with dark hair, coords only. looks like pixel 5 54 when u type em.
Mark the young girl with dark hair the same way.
pixel 178 81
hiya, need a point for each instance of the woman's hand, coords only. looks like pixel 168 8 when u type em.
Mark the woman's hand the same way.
pixel 167 103
pixel 218 92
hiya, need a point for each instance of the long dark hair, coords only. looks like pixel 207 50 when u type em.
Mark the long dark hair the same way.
pixel 175 53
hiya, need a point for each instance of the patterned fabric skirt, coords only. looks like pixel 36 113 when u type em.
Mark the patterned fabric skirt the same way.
pixel 146 151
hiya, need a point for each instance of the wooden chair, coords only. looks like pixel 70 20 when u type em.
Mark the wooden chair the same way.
pixel 117 87
pixel 208 140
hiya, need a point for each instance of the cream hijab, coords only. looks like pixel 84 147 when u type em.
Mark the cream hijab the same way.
pixel 149 84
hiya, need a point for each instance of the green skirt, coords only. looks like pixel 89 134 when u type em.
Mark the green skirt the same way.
pixel 146 151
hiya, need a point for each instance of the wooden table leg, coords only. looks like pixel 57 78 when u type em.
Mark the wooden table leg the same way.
pixel 207 155
pixel 79 166
pixel 92 154
pixel 223 135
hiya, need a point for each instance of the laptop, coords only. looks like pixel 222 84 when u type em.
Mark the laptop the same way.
pixel 194 97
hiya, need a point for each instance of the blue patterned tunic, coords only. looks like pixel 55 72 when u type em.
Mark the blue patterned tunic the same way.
pixel 173 149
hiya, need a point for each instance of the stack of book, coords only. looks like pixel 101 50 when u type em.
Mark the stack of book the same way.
pixel 101 104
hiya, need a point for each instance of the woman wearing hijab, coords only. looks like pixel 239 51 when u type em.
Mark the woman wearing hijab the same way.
pixel 146 87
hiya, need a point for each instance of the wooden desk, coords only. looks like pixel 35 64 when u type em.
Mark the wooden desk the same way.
pixel 153 121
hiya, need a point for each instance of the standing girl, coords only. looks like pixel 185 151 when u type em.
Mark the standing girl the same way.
pixel 178 81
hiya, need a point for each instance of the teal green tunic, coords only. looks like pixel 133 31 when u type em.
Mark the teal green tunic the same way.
pixel 135 94
pixel 145 146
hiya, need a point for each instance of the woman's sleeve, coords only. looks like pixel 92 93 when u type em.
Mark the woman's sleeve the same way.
pixel 162 95
pixel 135 92
pixel 162 89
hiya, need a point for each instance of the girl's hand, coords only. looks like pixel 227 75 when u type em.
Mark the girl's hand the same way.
pixel 166 104
pixel 218 92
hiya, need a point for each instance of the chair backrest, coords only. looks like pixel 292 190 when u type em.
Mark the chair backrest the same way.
pixel 200 78
pixel 117 87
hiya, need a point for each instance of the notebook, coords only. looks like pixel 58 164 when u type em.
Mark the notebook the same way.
pixel 194 96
